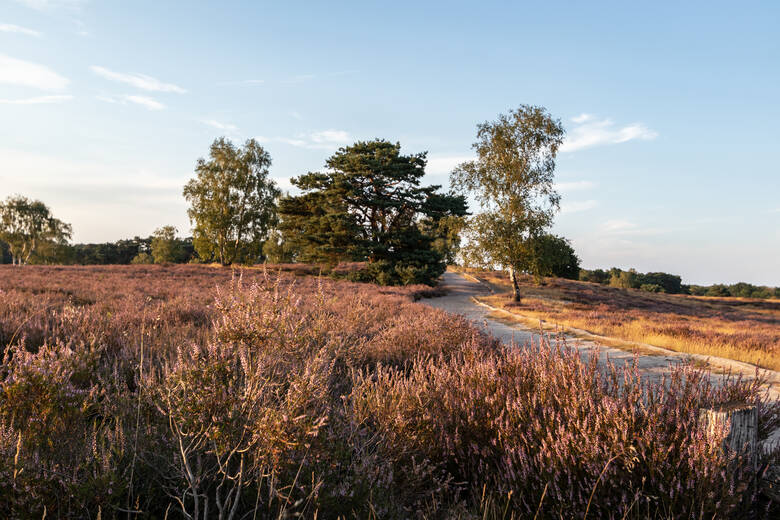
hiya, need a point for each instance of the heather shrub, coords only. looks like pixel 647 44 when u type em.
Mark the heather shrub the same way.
pixel 548 430
pixel 61 442
pixel 196 392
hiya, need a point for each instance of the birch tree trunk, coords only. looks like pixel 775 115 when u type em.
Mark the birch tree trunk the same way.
pixel 515 284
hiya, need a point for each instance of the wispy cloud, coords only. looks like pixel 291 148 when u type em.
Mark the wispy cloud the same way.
pixel 147 102
pixel 29 74
pixel 144 101
pixel 227 127
pixel 17 29
pixel 321 140
pixel 328 137
pixel 618 226
pixel 590 131
pixel 40 100
pixel 577 206
pixel 296 115
pixel 140 81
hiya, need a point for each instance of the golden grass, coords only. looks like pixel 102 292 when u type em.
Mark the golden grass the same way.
pixel 742 329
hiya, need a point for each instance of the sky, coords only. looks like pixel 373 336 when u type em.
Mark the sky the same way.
pixel 672 110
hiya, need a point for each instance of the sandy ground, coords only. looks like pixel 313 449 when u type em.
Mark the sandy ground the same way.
pixel 653 365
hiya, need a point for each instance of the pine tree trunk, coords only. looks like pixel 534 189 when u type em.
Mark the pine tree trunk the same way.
pixel 515 285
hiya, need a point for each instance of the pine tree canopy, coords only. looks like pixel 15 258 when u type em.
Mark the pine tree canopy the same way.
pixel 368 205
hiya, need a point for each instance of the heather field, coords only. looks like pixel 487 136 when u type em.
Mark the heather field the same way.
pixel 201 392
pixel 743 329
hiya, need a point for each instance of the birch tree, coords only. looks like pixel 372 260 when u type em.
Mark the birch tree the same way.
pixel 26 224
pixel 512 179
pixel 232 202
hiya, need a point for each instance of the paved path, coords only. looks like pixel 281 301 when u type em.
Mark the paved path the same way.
pixel 459 301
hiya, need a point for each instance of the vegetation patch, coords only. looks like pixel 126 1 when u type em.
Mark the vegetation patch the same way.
pixel 739 329
pixel 198 391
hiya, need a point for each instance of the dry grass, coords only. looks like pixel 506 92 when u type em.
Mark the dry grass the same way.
pixel 742 329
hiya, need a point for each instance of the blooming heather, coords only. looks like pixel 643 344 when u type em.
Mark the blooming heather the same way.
pixel 211 393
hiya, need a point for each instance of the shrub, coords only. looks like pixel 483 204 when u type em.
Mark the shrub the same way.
pixel 651 287
pixel 142 258
pixel 624 279
pixel 300 396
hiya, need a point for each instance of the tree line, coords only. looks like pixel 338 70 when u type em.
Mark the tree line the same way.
pixel 163 246
pixel 658 282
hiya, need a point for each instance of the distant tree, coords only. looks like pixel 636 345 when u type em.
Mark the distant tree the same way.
pixel 25 224
pixel 595 276
pixel 651 287
pixel 718 290
pixel 166 248
pixel 5 253
pixel 552 255
pixel 119 252
pixel 748 290
pixel 232 202
pixel 51 253
pixel 624 279
pixel 671 283
pixel 279 251
pixel 697 290
pixel 448 231
pixel 143 258
pixel 512 179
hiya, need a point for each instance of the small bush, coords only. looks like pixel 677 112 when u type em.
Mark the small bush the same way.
pixel 142 258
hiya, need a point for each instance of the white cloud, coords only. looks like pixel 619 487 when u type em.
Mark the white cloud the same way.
pixel 144 101
pixel 444 164
pixel 618 226
pixel 330 137
pixel 147 102
pixel 582 118
pixel 227 127
pixel 140 81
pixel 322 140
pixel 36 100
pixel 11 28
pixel 29 74
pixel 574 186
pixel 577 206
pixel 589 132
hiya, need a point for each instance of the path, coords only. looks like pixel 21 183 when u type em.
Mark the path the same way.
pixel 654 366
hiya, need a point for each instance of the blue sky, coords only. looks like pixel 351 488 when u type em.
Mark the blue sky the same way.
pixel 672 109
